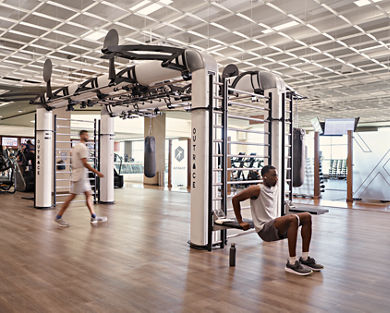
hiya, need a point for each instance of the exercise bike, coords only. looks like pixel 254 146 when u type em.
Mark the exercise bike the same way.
pixel 7 173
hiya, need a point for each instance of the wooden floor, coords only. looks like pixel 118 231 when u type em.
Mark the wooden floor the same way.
pixel 140 262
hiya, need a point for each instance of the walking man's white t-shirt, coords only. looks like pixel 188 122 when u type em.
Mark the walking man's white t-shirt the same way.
pixel 79 152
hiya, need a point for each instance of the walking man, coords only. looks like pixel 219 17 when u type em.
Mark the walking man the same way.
pixel 80 181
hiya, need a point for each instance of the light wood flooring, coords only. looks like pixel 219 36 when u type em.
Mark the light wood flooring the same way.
pixel 140 262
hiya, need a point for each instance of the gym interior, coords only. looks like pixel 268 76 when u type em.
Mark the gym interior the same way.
pixel 182 111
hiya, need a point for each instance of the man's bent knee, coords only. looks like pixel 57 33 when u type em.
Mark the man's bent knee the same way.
pixel 293 220
pixel 306 217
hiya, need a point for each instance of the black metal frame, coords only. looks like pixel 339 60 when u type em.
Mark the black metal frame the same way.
pixel 210 197
pixel 270 119
pixel 55 160
pixel 171 57
pixel 95 162
pixel 291 143
pixel 287 172
pixel 225 96
pixel 283 155
pixel 98 158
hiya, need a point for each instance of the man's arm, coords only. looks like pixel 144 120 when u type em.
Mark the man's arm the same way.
pixel 88 166
pixel 251 192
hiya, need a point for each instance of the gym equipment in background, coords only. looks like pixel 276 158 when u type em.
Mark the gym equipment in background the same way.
pixel 337 169
pixel 306 190
pixel 25 171
pixel 7 173
pixel 118 178
pixel 245 168
pixel 150 157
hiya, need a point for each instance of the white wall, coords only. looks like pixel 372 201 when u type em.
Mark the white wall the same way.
pixel 7 130
pixel 371 166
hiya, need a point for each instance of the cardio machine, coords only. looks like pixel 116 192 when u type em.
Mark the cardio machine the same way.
pixel 118 178
pixel 25 174
pixel 7 173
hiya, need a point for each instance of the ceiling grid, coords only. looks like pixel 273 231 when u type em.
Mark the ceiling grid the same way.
pixel 334 52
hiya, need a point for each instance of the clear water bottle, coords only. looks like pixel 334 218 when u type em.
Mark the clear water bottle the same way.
pixel 232 255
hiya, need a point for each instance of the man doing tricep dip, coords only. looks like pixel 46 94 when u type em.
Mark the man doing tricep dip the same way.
pixel 263 204
pixel 80 181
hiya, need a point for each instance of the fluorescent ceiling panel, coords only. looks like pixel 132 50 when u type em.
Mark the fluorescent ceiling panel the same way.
pixel 96 35
pixel 150 9
pixel 362 3
pixel 139 5
pixel 280 27
pixel 286 25
pixel 153 7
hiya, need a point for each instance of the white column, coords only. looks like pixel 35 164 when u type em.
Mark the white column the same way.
pixel 44 159
pixel 199 156
pixel 106 158
pixel 276 134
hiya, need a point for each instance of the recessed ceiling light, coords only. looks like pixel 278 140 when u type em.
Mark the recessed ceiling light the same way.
pixel 245 17
pixel 197 34
pixel 213 47
pixel 96 35
pixel 139 5
pixel 286 25
pixel 280 27
pixel 150 9
pixel 369 48
pixel 240 34
pixel 237 48
pixel 20 111
pixel 362 3
pixel 177 41
pixel 219 26
pixel 33 121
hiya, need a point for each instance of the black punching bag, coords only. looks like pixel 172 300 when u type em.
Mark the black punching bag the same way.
pixel 150 157
pixel 298 157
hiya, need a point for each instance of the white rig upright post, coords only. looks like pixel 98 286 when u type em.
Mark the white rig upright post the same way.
pixel 200 152
pixel 106 154
pixel 44 159
pixel 276 133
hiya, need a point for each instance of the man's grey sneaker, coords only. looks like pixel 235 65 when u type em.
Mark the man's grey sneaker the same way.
pixel 60 222
pixel 98 219
pixel 297 269
pixel 311 263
